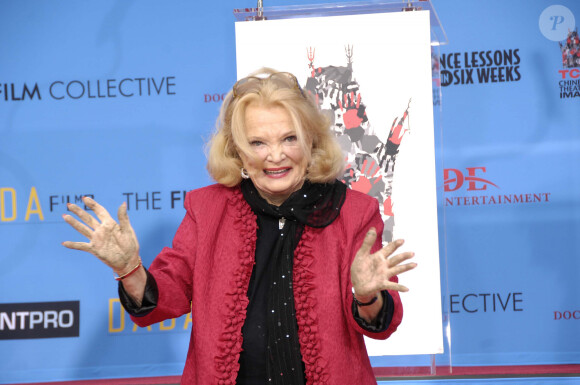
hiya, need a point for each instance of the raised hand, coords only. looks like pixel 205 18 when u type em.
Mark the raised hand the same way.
pixel 370 273
pixel 113 243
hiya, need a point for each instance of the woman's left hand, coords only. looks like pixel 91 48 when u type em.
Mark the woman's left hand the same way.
pixel 370 273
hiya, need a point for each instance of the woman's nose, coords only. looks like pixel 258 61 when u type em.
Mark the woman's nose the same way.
pixel 276 153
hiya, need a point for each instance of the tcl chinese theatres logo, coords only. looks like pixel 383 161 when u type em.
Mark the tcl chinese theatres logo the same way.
pixel 455 179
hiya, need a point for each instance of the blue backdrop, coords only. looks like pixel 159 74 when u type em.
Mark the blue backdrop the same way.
pixel 115 99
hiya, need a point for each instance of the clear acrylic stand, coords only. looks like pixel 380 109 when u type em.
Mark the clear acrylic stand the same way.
pixel 419 366
pixel 438 36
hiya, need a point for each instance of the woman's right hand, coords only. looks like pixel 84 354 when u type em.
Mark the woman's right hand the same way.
pixel 113 243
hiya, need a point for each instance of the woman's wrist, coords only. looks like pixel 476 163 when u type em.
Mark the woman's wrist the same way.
pixel 135 284
pixel 369 310
pixel 364 300
pixel 129 269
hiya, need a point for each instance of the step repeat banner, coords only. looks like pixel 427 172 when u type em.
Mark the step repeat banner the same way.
pixel 116 100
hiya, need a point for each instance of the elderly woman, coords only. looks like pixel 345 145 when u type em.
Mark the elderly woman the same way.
pixel 279 263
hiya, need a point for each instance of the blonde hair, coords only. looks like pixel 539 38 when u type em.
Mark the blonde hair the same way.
pixel 312 128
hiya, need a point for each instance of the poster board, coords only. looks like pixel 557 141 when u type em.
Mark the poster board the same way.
pixel 372 74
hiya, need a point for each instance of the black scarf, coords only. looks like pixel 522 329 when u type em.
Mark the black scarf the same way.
pixel 315 205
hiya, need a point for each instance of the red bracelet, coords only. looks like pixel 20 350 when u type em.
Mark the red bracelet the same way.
pixel 121 277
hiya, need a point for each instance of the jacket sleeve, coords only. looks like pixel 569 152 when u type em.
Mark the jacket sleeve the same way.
pixel 371 217
pixel 172 272
pixel 148 303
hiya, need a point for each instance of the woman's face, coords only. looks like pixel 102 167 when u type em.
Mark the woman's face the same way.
pixel 280 163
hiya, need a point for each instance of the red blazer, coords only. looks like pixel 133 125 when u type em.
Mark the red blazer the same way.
pixel 208 271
